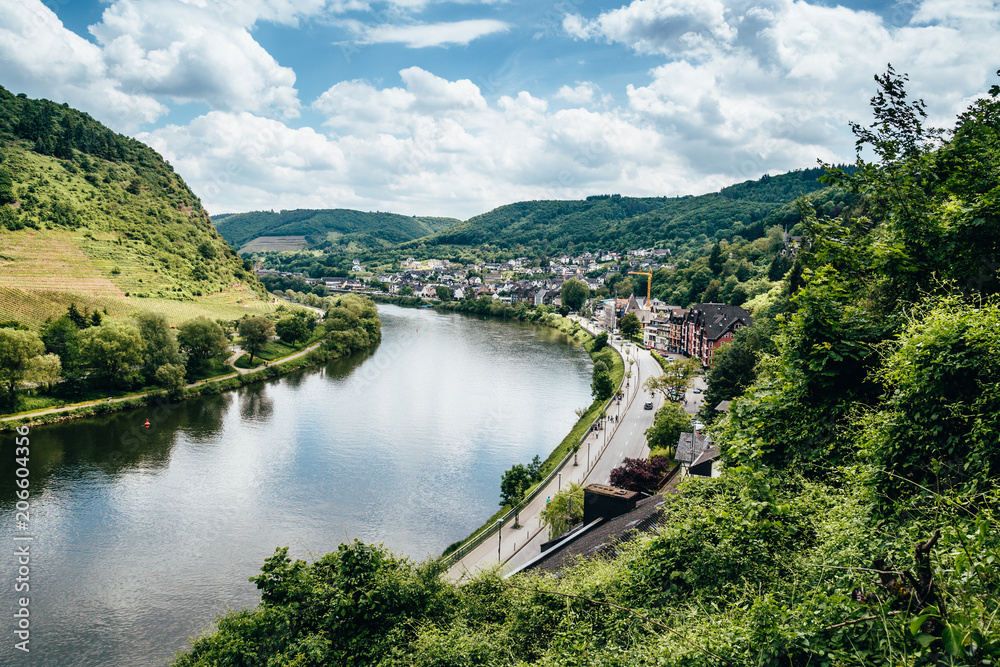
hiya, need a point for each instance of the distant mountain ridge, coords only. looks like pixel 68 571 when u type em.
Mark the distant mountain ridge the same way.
pixel 619 222
pixel 328 227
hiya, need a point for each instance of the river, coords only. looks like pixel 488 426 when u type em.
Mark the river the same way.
pixel 141 537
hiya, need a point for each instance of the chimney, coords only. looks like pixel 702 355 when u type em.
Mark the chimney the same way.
pixel 606 502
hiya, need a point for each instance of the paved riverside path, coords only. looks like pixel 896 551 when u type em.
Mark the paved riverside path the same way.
pixel 624 439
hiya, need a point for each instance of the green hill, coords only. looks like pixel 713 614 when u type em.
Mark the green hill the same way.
pixel 617 222
pixel 327 228
pixel 96 218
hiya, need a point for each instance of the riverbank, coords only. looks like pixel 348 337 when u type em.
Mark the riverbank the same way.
pixel 336 345
pixel 561 454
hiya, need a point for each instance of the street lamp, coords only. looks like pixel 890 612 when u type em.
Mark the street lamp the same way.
pixel 559 487
pixel 499 538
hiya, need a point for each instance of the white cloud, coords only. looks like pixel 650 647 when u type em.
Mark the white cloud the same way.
pixel 428 146
pixel 433 34
pixel 750 87
pixel 582 93
pixel 41 58
pixel 192 53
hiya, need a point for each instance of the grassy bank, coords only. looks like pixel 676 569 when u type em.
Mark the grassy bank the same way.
pixel 576 434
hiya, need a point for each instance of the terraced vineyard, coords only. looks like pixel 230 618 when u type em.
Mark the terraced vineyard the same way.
pixel 275 244
pixel 51 260
pixel 34 306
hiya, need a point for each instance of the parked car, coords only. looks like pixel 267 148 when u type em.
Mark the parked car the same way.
pixel 697 390
pixel 648 405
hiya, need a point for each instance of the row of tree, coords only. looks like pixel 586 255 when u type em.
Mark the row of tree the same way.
pixel 87 351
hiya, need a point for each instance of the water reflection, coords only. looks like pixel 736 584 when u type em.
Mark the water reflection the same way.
pixel 142 536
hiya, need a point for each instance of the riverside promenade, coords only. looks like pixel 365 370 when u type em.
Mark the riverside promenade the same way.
pixel 600 453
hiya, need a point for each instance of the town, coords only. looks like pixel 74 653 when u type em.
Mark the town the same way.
pixel 694 332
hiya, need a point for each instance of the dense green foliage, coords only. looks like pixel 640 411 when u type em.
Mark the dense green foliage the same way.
pixel 857 519
pixel 668 424
pixel 620 223
pixel 135 218
pixel 335 229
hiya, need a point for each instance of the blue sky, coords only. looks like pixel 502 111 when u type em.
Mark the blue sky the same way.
pixel 452 108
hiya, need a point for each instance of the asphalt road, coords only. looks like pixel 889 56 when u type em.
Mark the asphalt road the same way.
pixel 597 457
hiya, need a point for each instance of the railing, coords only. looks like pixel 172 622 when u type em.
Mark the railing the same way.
pixel 491 529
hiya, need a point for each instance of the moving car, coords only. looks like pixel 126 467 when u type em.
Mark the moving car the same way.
pixel 696 390
pixel 648 406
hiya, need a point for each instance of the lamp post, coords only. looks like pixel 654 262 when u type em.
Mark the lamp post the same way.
pixel 499 538
pixel 559 477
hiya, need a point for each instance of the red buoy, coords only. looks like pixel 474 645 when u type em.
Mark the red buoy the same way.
pixel 146 424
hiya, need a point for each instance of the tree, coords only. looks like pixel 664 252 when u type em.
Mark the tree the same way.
pixel 602 386
pixel 564 510
pixel 513 485
pixel 76 317
pixel 630 325
pixel 669 423
pixel 60 338
pixel 114 350
pixel 443 292
pixel 6 187
pixel 715 261
pixel 405 290
pixel 641 475
pixel 17 349
pixel 574 293
pixel 202 340
pixel 600 342
pixel 161 344
pixel 676 378
pixel 255 332
pixel 170 377
pixel 292 329
pixel 734 367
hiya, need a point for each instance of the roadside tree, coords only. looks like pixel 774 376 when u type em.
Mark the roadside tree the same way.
pixel 630 325
pixel 513 485
pixel 292 329
pixel 564 510
pixel 17 349
pixel 114 351
pixel 669 423
pixel 574 293
pixel 255 332
pixel 202 340
pixel 161 344
pixel 641 475
pixel 677 377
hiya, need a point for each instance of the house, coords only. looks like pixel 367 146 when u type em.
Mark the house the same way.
pixel 696 453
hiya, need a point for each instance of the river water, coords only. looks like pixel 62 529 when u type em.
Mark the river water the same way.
pixel 141 537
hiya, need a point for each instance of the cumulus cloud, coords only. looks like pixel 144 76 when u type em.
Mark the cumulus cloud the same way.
pixel 748 87
pixel 192 53
pixel 426 146
pixel 41 58
pixel 433 34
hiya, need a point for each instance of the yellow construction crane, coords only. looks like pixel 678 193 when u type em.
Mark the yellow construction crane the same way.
pixel 649 285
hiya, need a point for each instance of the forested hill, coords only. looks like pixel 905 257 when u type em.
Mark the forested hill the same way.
pixel 96 218
pixel 617 222
pixel 329 227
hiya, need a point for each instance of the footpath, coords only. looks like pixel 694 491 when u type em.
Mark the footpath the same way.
pixel 602 450
pixel 130 397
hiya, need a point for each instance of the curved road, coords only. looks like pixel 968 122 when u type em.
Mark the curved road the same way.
pixel 604 451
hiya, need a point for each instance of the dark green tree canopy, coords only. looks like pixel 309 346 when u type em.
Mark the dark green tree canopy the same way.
pixel 574 293
pixel 255 333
